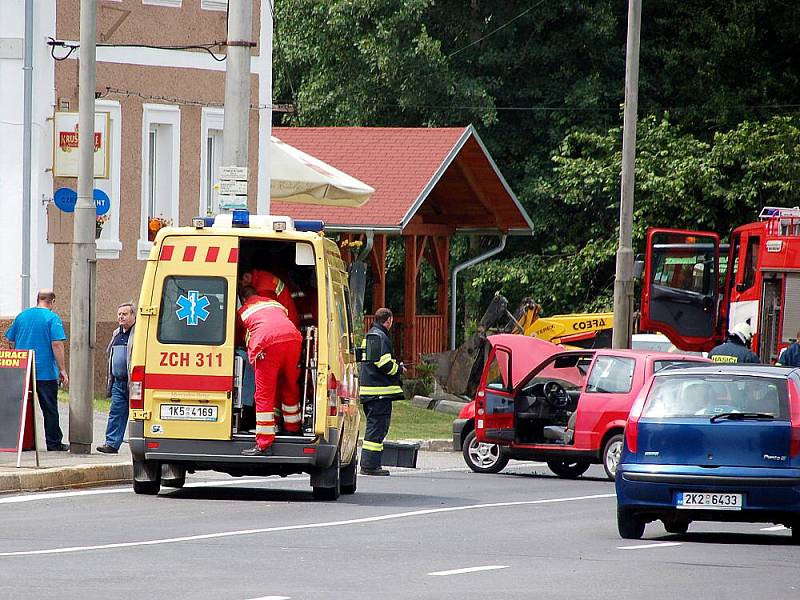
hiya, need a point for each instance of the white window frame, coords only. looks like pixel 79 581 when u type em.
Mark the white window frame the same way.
pixel 167 115
pixel 108 244
pixel 221 5
pixel 167 3
pixel 211 119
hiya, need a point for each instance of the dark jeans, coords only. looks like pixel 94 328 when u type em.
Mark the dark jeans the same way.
pixel 48 400
pixel 117 413
pixel 379 414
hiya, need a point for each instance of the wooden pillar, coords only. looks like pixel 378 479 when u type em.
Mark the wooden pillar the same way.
pixel 410 299
pixel 378 264
pixel 442 246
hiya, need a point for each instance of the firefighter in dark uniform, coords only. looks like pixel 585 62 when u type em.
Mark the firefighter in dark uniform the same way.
pixel 380 385
pixel 737 348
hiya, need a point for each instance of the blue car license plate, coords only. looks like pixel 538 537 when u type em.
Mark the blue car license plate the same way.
pixel 709 500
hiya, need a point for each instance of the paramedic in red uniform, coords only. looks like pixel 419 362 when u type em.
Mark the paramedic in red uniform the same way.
pixel 273 348
pixel 271 286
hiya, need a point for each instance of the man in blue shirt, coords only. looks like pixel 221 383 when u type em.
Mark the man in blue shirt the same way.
pixel 119 360
pixel 40 329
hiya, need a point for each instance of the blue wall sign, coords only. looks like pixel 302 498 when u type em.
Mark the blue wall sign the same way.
pixel 102 202
pixel 65 199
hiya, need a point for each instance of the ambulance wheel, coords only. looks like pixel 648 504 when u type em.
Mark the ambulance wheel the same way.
pixel 331 477
pixel 349 476
pixel 146 477
pixel 482 458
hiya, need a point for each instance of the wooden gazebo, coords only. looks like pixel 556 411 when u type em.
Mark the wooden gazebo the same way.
pixel 429 184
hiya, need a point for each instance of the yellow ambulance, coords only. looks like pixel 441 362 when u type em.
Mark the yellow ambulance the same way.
pixel 191 406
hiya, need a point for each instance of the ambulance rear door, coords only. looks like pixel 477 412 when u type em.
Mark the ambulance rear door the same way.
pixel 188 380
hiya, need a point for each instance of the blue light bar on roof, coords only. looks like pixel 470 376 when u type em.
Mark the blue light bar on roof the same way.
pixel 240 218
pixel 309 225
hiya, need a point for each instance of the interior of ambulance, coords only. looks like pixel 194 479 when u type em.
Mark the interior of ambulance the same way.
pixel 293 263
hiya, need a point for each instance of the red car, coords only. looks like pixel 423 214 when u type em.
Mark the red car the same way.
pixel 565 407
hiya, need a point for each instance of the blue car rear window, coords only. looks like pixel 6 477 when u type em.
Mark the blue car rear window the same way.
pixel 681 396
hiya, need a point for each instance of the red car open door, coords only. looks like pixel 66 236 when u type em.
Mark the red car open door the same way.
pixel 494 402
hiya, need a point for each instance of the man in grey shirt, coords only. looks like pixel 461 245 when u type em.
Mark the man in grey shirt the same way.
pixel 119 354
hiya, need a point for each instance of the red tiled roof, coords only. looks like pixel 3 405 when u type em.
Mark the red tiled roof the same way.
pixel 397 161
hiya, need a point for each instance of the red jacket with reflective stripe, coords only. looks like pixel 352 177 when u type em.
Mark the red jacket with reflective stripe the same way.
pixel 271 286
pixel 266 323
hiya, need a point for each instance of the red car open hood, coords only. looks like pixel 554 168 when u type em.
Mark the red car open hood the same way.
pixel 526 354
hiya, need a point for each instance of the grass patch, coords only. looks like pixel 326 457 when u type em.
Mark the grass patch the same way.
pixel 100 403
pixel 413 423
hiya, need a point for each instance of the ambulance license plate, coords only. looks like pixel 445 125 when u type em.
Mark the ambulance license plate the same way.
pixel 188 412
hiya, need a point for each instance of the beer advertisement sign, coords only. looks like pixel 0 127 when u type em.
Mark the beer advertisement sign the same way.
pixel 65 144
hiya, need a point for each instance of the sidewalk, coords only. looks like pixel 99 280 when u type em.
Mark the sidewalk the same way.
pixel 59 470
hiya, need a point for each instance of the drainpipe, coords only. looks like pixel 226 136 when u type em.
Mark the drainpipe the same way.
pixel 27 69
pixel 466 265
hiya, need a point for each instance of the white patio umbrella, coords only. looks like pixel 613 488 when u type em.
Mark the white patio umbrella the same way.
pixel 299 177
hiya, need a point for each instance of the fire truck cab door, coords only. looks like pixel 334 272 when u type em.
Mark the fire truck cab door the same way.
pixel 680 292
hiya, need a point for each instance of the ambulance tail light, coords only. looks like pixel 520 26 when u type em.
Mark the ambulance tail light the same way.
pixel 333 396
pixel 136 388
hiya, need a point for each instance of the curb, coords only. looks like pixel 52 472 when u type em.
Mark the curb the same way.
pixel 432 445
pixel 60 478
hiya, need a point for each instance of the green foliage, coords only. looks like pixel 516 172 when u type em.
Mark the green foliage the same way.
pixel 717 134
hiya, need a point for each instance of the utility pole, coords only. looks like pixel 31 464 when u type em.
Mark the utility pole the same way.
pixel 623 283
pixel 27 69
pixel 82 318
pixel 236 125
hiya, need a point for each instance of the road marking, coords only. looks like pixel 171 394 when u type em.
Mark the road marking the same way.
pixel 240 532
pixel 646 546
pixel 469 570
pixel 272 598
pixel 775 528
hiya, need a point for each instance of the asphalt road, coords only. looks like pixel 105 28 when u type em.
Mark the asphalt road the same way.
pixel 437 532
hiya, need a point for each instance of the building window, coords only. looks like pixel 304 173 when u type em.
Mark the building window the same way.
pixel 108 244
pixel 221 5
pixel 160 171
pixel 210 159
pixel 168 3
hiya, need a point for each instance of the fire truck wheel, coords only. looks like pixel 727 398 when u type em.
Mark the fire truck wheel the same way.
pixel 482 458
pixel 349 476
pixel 332 477
pixel 569 469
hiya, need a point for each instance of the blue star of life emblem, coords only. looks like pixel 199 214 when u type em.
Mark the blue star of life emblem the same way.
pixel 192 307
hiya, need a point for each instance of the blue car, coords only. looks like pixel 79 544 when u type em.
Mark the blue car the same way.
pixel 718 443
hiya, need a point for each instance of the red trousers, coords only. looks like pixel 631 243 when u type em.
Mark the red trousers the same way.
pixel 276 370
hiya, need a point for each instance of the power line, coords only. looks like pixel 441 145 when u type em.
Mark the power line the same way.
pixel 503 26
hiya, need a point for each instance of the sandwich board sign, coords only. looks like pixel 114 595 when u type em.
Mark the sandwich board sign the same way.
pixel 17 389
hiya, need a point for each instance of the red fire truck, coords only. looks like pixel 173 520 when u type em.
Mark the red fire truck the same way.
pixel 694 294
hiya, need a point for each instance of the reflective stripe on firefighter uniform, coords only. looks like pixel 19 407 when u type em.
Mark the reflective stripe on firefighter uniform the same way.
pixel 379 386
pixel 273 347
